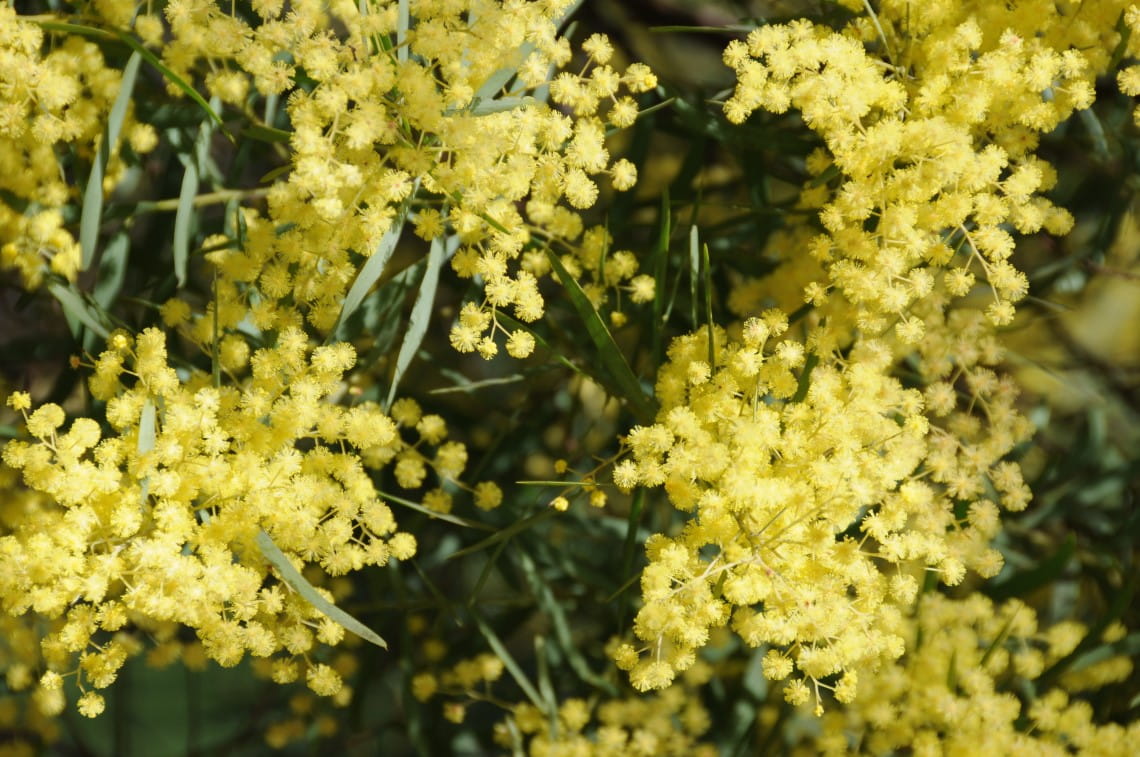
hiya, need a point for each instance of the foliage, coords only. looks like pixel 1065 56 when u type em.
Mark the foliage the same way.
pixel 622 413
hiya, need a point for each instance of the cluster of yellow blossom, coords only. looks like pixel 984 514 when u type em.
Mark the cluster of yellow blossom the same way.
pixel 955 690
pixel 156 525
pixel 53 106
pixel 668 723
pixel 818 484
pixel 444 120
pixel 777 477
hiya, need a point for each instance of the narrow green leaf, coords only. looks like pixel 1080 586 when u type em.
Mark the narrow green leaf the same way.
pixel 733 29
pixel 263 133
pixel 370 272
pixel 91 216
pixel 541 342
pixel 467 387
pixel 421 315
pixel 112 271
pixel 147 423
pixel 496 81
pixel 1125 32
pixel 487 107
pixel 660 269
pixel 545 687
pixel 561 624
pixel 505 533
pixel 182 219
pixel 403 22
pixel 75 307
pixel 1042 574
pixel 184 215
pixel 610 354
pixel 1096 133
pixel 706 275
pixel 805 377
pixel 484 574
pixel 293 577
pixel 174 79
pixel 1003 634
pixel 127 39
pixel 433 514
pixel 694 273
pixel 500 650
pixel 1129 647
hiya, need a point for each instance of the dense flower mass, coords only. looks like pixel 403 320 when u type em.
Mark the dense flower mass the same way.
pixel 819 483
pixel 955 691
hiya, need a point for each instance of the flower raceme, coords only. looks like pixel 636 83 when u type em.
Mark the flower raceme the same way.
pixel 155 525
pixel 444 123
pixel 819 488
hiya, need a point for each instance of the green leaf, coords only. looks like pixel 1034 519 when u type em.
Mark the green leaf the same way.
pixel 805 377
pixel 1042 574
pixel 293 577
pixel 487 107
pixel 500 650
pixel 706 275
pixel 182 218
pixel 184 215
pixel 561 624
pixel 1129 647
pixel 541 342
pixel 127 39
pixel 660 268
pixel 505 533
pixel 421 312
pixel 403 22
pixel 611 356
pixel 147 422
pixel 174 79
pixel 694 273
pixel 112 271
pixel 91 216
pixel 76 308
pixel 437 515
pixel 263 133
pixel 370 272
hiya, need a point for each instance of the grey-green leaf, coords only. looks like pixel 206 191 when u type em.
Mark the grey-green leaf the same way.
pixel 421 315
pixel 370 272
pixel 74 307
pixel 147 423
pixel 609 353
pixel 403 22
pixel 112 271
pixel 91 216
pixel 182 219
pixel 293 577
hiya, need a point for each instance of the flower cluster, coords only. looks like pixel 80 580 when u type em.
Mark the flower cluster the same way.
pixel 448 122
pixel 817 483
pixel 668 723
pixel 156 524
pixel 954 691
pixel 53 107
